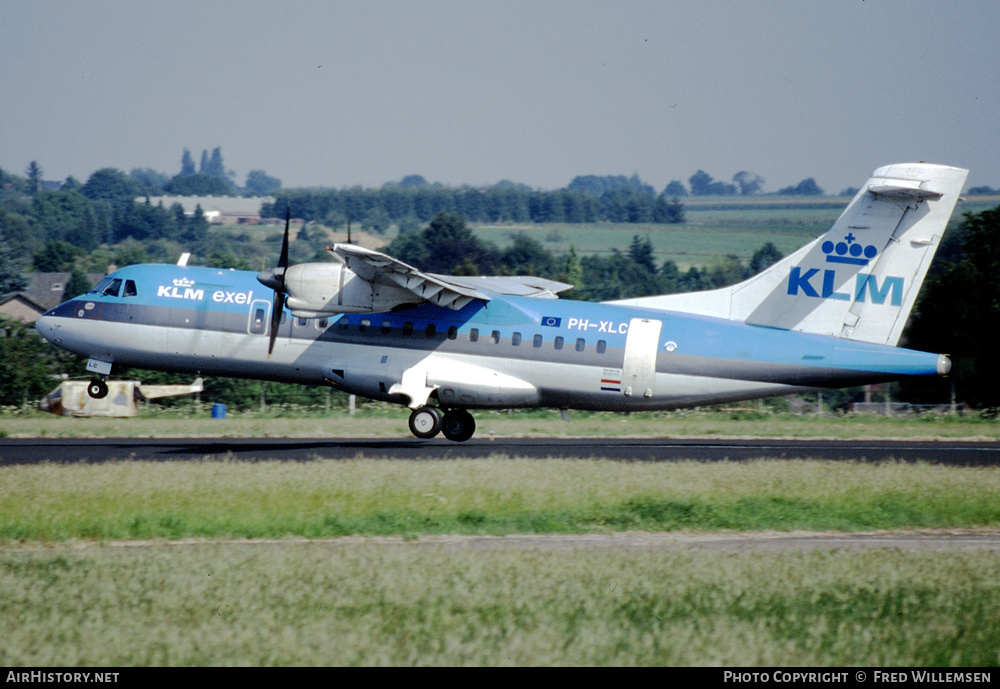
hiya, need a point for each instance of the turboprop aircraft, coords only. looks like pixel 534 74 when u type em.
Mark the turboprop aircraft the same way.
pixel 828 315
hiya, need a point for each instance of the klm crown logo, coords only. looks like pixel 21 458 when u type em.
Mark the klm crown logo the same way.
pixel 809 282
pixel 849 252
pixel 183 282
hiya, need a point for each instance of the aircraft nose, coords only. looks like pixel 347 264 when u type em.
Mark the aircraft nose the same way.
pixel 47 328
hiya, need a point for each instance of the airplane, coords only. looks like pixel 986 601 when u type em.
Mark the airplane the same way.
pixel 829 315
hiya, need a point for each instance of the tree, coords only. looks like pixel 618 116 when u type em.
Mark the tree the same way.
pixel 412 181
pixel 675 188
pixel 77 284
pixel 151 180
pixel 527 257
pixel 34 175
pixel 444 245
pixel 198 184
pixel 764 257
pixel 668 211
pixel 25 365
pixel 572 271
pixel 12 277
pixel 748 182
pixel 114 186
pixel 727 270
pixel 960 298
pixel 65 213
pixel 806 187
pixel 187 163
pixel 702 184
pixel 214 166
pixel 641 253
pixel 260 183
pixel 57 257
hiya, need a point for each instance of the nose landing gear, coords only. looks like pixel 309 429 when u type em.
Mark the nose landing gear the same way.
pixel 98 389
pixel 456 424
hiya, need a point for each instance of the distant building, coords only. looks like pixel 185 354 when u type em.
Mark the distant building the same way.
pixel 218 210
pixel 44 292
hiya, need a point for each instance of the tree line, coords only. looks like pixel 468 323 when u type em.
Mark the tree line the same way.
pixel 376 209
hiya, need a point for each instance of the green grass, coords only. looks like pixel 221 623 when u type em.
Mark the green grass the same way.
pixel 496 496
pixel 234 563
pixel 397 604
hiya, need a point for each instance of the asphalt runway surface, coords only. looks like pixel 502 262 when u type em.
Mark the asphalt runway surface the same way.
pixel 90 450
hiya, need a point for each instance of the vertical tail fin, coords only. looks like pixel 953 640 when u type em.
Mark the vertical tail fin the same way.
pixel 859 280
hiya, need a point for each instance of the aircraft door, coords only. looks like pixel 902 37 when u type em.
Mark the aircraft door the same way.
pixel 641 346
pixel 259 319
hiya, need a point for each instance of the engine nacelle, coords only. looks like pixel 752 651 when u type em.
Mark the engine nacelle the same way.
pixel 315 290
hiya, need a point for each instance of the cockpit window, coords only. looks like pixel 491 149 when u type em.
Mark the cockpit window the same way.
pixel 113 288
pixel 130 290
pixel 100 286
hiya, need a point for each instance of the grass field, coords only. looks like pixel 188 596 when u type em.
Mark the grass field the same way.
pixel 226 563
pixel 395 604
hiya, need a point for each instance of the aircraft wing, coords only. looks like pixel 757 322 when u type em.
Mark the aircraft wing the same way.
pixel 517 285
pixel 443 290
pixel 374 266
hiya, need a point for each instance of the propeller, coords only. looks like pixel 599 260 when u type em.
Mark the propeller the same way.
pixel 275 279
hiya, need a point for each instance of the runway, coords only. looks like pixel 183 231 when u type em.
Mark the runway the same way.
pixel 15 451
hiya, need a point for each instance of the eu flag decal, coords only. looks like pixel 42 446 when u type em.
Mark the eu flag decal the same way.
pixel 551 321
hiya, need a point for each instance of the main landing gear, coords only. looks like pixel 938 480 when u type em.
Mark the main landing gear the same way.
pixel 456 424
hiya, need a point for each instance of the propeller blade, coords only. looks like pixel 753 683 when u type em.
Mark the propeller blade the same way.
pixel 276 309
pixel 276 281
pixel 283 259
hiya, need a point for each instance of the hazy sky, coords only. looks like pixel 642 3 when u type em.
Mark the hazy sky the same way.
pixel 328 93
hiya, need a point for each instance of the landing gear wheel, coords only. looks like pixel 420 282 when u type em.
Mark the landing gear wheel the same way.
pixel 425 422
pixel 458 425
pixel 97 389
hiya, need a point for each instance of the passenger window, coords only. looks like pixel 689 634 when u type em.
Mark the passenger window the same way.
pixel 515 339
pixel 602 346
pixel 537 341
pixel 558 342
pixel 430 330
pixel 322 323
pixel 580 344
pixel 452 332
pixel 386 327
pixel 303 322
pixel 474 335
pixel 407 328
pixel 130 290
pixel 344 323
pixel 365 323
pixel 495 337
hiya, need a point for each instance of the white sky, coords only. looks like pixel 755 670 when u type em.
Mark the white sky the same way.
pixel 339 94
